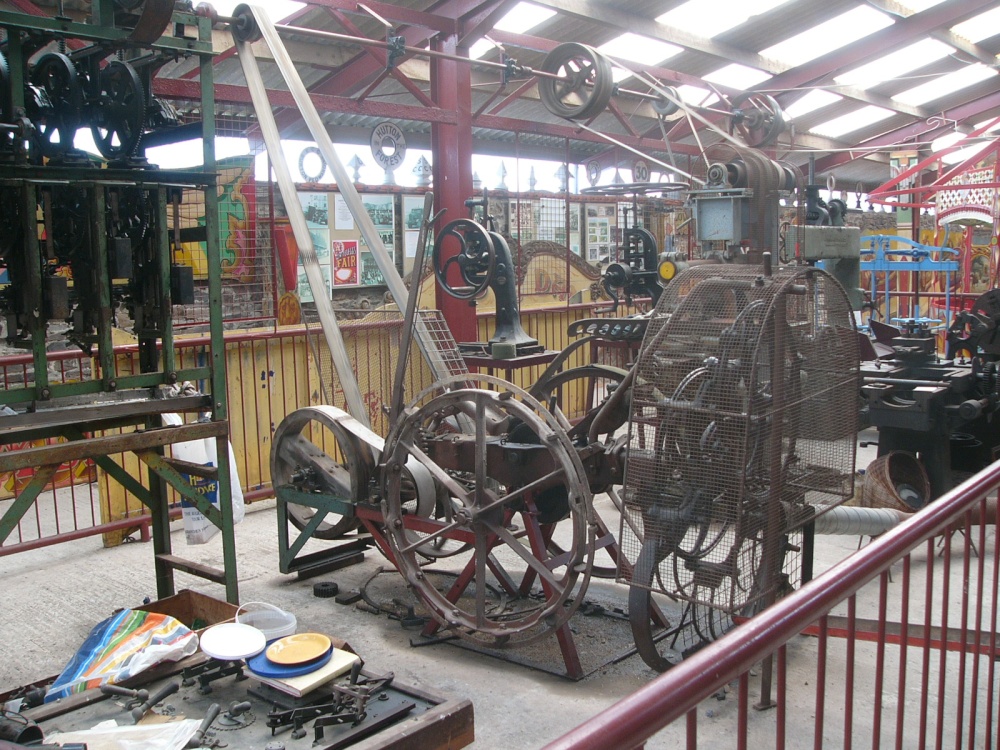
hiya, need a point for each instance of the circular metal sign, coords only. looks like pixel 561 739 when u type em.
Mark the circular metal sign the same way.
pixel 311 153
pixel 640 171
pixel 593 172
pixel 388 145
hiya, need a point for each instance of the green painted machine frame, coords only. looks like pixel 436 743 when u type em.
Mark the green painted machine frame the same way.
pixel 87 414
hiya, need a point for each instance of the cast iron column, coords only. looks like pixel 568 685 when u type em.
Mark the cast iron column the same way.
pixel 451 88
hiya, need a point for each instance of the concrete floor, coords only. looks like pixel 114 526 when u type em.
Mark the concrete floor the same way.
pixel 53 596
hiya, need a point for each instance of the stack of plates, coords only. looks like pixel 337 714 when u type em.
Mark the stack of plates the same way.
pixel 292 656
pixel 231 641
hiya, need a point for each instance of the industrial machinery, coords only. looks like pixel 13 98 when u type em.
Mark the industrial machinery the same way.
pixel 940 411
pixel 740 433
pixel 975 333
pixel 481 493
pixel 86 242
pixel 638 268
pixel 483 261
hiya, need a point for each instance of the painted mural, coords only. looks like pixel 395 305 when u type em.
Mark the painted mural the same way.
pixel 237 219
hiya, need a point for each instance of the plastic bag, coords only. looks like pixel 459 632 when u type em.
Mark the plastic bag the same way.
pixel 173 735
pixel 122 646
pixel 197 528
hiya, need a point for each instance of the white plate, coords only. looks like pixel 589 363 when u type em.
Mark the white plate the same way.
pixel 232 640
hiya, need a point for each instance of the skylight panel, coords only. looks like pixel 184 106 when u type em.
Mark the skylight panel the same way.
pixel 737 76
pixel 815 99
pixel 980 27
pixel 480 48
pixel 521 19
pixel 895 64
pixel 631 47
pixel 852 121
pixel 725 15
pixel 828 36
pixel 944 85
pixel 640 49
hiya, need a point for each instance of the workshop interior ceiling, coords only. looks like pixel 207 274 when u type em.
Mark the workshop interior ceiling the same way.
pixel 863 75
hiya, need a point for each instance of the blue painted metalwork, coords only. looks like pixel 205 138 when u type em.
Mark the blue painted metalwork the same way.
pixel 880 248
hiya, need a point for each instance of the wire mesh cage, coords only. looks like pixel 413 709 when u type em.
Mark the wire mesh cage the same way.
pixel 742 430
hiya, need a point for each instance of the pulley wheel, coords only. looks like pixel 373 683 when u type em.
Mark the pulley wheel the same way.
pixel 245 27
pixel 474 256
pixel 154 19
pixel 585 82
pixel 757 118
pixel 314 453
pixel 496 509
pixel 120 112
pixel 57 76
pixel 665 107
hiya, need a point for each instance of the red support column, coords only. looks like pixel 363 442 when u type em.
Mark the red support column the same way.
pixel 451 88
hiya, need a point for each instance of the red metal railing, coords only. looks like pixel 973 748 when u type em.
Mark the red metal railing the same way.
pixel 919 673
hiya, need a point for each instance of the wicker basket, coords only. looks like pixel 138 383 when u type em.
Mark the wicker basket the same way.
pixel 896 480
pixel 272 621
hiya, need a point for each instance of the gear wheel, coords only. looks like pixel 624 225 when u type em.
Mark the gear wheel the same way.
pixel 325 589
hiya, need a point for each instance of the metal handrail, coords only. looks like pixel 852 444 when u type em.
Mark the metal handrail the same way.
pixel 632 720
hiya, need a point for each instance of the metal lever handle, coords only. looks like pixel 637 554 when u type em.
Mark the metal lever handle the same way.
pixel 169 689
pixel 139 695
pixel 199 736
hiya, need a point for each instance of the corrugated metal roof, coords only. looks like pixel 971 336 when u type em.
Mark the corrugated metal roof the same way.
pixel 346 69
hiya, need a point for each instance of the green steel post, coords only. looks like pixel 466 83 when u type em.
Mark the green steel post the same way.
pixel 99 237
pixel 102 13
pixel 159 512
pixel 34 312
pixel 218 343
pixel 16 63
pixel 166 322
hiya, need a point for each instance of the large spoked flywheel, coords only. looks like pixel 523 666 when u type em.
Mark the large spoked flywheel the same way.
pixel 121 111
pixel 511 482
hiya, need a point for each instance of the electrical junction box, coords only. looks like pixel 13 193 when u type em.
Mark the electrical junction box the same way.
pixel 821 243
pixel 721 218
pixel 837 250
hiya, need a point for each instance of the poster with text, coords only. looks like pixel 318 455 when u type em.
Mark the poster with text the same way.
pixel 345 262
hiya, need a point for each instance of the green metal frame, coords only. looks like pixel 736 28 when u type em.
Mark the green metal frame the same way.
pixel 157 358
pixel 289 559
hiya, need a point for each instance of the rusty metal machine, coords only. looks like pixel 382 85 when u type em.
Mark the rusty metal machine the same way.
pixel 87 245
pixel 740 433
pixel 481 494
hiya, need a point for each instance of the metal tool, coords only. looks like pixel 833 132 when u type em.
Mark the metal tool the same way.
pixel 136 697
pixel 167 690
